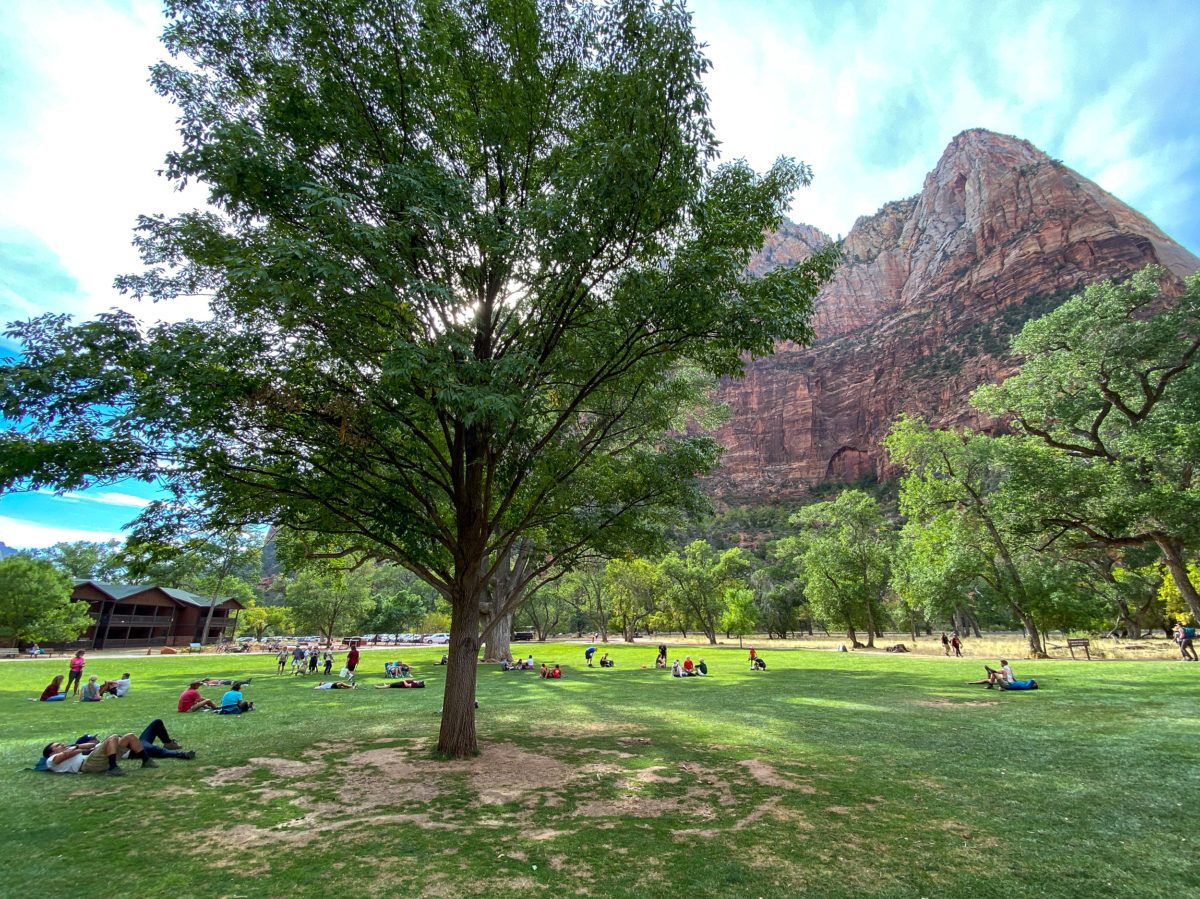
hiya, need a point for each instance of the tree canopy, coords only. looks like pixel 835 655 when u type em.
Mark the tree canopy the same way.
pixel 35 602
pixel 471 270
pixel 1108 399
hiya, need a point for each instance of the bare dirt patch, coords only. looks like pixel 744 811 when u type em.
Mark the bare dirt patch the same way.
pixel 766 775
pixel 633 741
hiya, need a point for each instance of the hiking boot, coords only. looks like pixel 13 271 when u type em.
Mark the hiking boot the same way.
pixel 149 763
pixel 115 772
pixel 189 755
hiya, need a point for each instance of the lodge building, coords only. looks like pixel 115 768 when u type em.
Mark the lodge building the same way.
pixel 125 615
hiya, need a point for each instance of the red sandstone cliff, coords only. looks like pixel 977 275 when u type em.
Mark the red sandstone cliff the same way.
pixel 922 310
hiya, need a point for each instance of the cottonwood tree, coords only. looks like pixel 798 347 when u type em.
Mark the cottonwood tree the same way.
pixel 329 601
pixel 1108 399
pixel 978 527
pixel 471 270
pixel 35 602
pixel 848 545
pixel 637 590
pixel 700 578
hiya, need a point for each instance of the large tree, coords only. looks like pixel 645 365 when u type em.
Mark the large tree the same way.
pixel 847 561
pixel 700 578
pixel 969 529
pixel 35 602
pixel 470 269
pixel 1108 399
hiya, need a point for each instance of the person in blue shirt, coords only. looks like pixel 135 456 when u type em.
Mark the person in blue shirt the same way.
pixel 233 703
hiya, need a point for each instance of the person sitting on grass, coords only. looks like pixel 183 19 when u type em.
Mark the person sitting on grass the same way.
pixel 994 677
pixel 545 670
pixel 335 685
pixel 91 691
pixel 758 664
pixel 389 670
pixel 54 691
pixel 527 665
pixel 117 688
pixel 701 669
pixel 506 665
pixel 190 700
pixel 406 683
pixel 555 672
pixel 94 756
pixel 606 662
pixel 660 660
pixel 233 703
pixel 689 667
pixel 676 669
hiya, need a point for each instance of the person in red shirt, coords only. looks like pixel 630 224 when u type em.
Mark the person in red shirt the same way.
pixel 352 659
pixel 689 667
pixel 54 692
pixel 556 672
pixel 190 699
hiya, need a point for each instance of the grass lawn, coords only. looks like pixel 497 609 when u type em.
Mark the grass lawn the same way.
pixel 828 775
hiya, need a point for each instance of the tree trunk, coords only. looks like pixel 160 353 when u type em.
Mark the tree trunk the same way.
pixel 1036 649
pixel 870 626
pixel 456 738
pixel 499 642
pixel 1173 555
pixel 972 623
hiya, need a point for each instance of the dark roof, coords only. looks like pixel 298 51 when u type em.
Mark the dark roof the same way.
pixel 122 592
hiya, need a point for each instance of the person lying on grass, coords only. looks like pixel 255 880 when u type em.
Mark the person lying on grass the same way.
pixel 95 756
pixel 223 682
pixel 156 732
pixel 54 691
pixel 334 685
pixel 402 684
pixel 190 699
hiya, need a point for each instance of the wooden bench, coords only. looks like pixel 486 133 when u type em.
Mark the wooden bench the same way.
pixel 10 652
pixel 1073 645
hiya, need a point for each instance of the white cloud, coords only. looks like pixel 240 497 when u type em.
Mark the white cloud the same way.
pixel 21 534
pixel 106 499
pixel 80 165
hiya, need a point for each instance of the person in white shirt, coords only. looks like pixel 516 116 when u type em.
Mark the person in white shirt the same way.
pixel 1003 676
pixel 95 756
pixel 121 686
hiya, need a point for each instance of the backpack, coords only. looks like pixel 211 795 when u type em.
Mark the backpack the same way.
pixel 1189 633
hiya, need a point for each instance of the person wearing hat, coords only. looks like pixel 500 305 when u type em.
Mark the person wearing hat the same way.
pixel 190 699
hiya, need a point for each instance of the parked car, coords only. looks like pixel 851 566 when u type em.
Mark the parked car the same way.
pixel 439 638
pixel 519 636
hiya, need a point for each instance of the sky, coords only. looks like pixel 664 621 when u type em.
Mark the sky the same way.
pixel 867 92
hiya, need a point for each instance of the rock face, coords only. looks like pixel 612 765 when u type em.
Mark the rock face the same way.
pixel 921 311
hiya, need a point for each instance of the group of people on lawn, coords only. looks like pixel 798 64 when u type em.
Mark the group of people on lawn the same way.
pixel 94 690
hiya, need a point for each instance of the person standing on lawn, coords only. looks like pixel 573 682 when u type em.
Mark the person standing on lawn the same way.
pixel 1184 637
pixel 281 659
pixel 352 658
pixel 945 644
pixel 76 673
pixel 956 645
pixel 328 660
